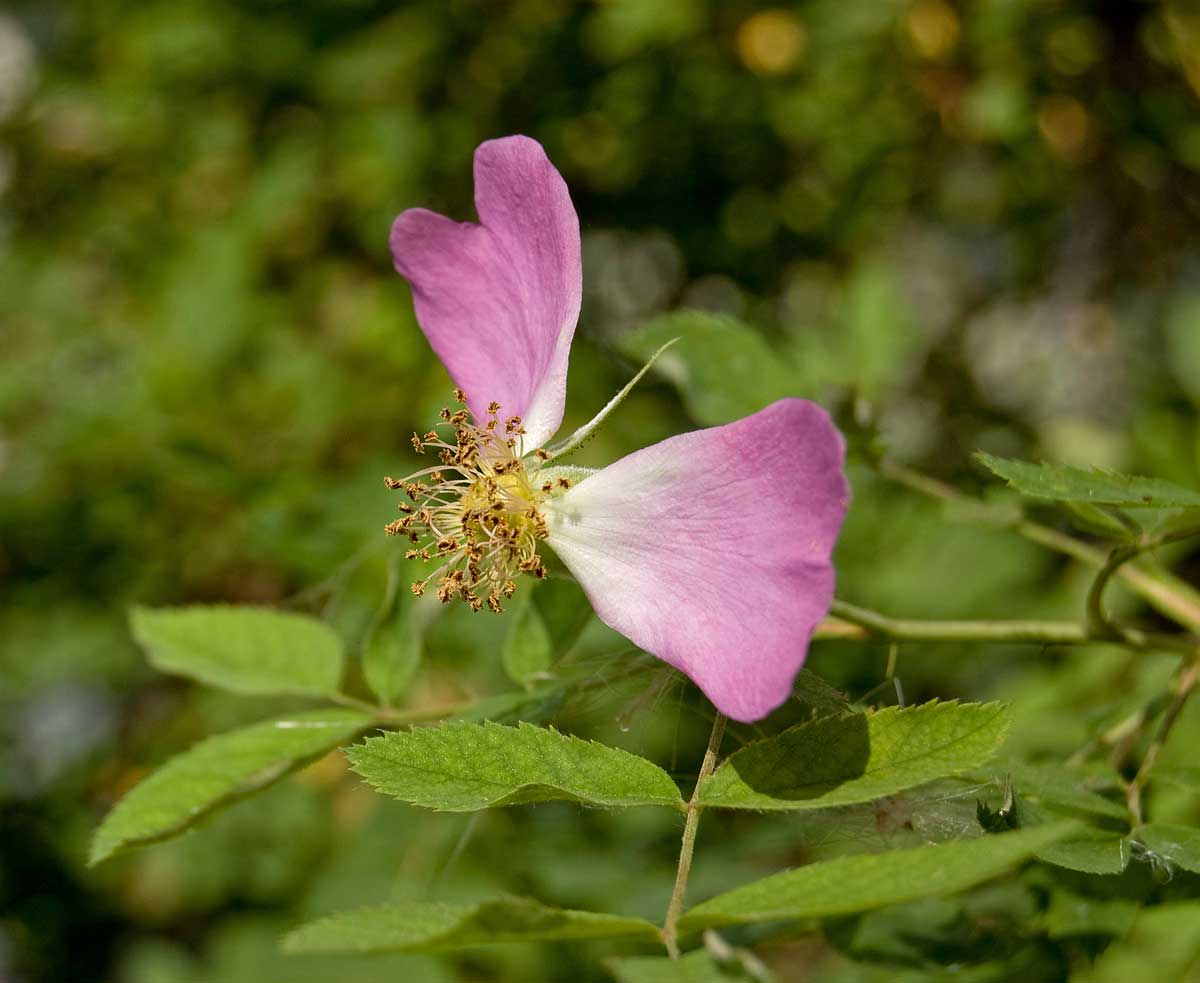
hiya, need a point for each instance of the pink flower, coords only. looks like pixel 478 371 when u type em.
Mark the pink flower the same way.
pixel 710 550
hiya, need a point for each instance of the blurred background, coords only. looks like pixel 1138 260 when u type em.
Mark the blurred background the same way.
pixel 974 223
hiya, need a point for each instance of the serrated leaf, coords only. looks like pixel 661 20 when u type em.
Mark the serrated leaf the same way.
pixel 1065 483
pixel 1178 844
pixel 1093 852
pixel 1058 788
pixel 1164 944
pixel 694 967
pixel 245 650
pixel 460 767
pixel 527 650
pixel 853 758
pixel 218 771
pixel 424 926
pixel 860 883
pixel 723 368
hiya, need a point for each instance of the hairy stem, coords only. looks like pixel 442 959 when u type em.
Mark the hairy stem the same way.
pixel 1162 590
pixel 675 907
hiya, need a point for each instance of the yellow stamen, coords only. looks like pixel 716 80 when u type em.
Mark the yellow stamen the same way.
pixel 480 514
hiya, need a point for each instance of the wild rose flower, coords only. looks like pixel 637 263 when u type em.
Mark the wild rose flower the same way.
pixel 710 550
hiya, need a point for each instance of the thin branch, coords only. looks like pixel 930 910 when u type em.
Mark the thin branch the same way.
pixel 675 907
pixel 1162 590
pixel 872 623
pixel 852 622
pixel 1099 624
pixel 1184 686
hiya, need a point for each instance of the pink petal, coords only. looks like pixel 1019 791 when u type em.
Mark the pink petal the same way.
pixel 498 301
pixel 711 550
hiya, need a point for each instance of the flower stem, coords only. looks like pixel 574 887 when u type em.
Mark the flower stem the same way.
pixel 675 907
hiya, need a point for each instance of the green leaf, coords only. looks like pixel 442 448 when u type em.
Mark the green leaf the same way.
pixel 391 657
pixel 1064 483
pixel 1183 340
pixel 423 926
pixel 1094 519
pixel 1072 914
pixel 218 771
pixel 1178 844
pixel 391 653
pixel 242 649
pixel 527 650
pixel 852 758
pixel 1164 944
pixel 1056 789
pixel 460 767
pixel 723 369
pixel 811 690
pixel 859 883
pixel 1094 852
pixel 694 967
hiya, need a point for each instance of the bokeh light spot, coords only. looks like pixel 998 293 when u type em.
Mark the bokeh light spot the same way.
pixel 933 28
pixel 771 42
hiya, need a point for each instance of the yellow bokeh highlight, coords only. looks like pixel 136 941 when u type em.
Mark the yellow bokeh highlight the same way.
pixel 771 42
pixel 1066 127
pixel 1183 24
pixel 933 28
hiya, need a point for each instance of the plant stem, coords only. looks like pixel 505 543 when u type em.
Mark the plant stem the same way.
pixel 912 630
pixel 395 716
pixel 1162 590
pixel 675 907
pixel 1183 687
pixel 1099 624
pixel 852 622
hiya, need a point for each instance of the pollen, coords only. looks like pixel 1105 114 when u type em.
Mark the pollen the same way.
pixel 477 515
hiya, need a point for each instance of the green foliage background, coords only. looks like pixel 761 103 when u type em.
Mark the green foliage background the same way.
pixel 975 224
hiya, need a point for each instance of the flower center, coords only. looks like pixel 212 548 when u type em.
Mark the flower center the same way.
pixel 479 514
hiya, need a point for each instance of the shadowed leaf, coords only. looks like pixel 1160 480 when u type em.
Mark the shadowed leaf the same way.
pixel 852 758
